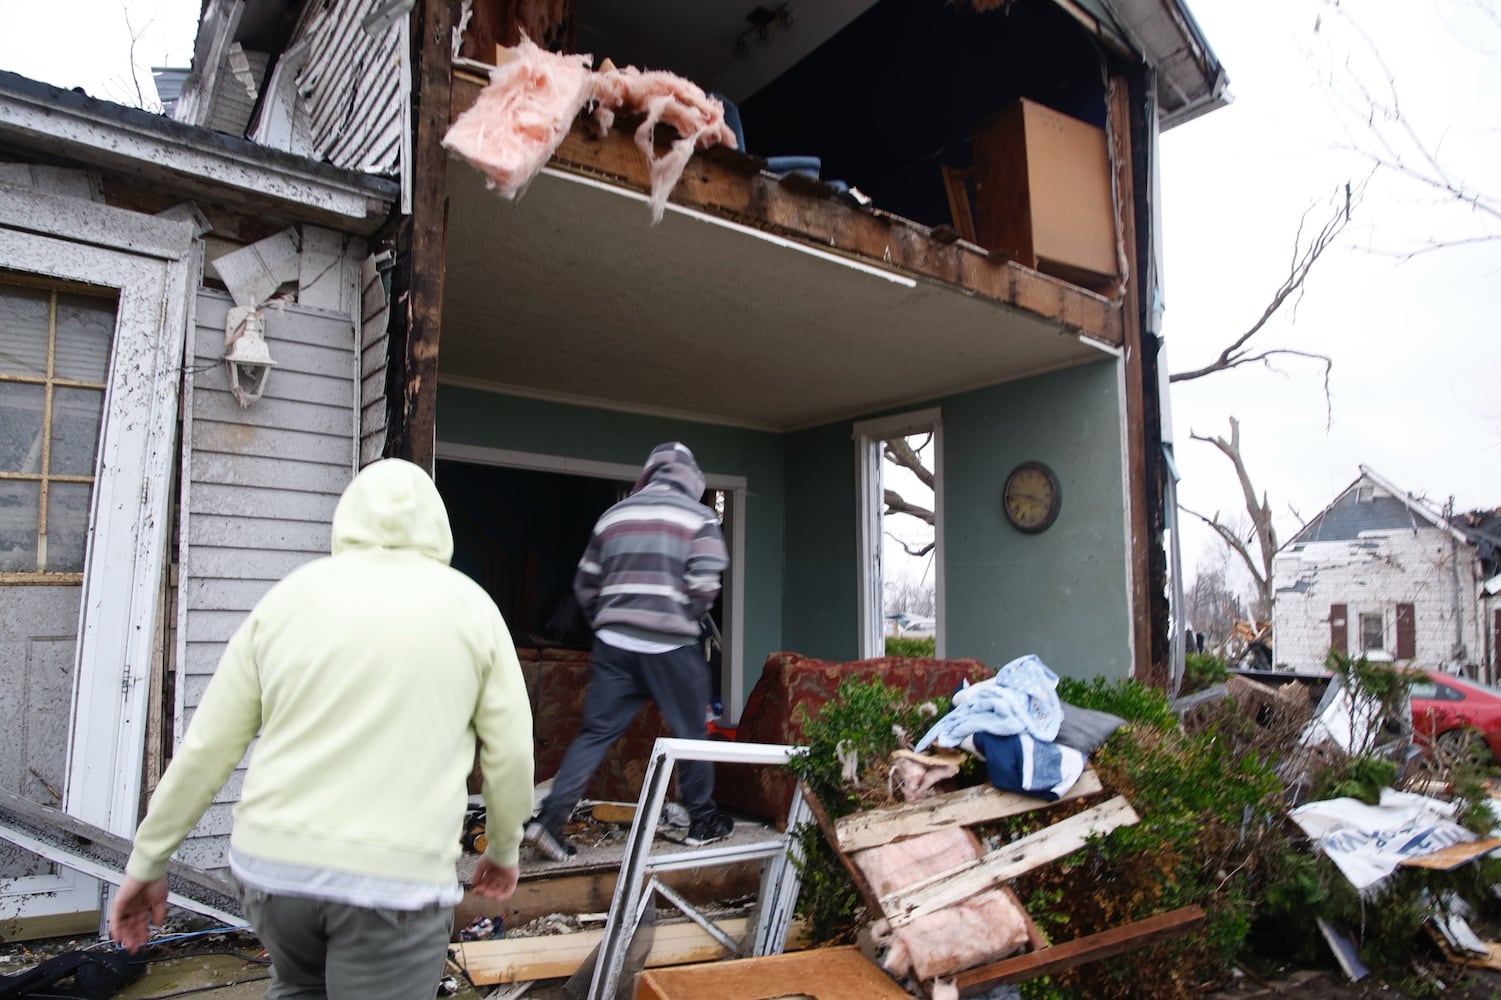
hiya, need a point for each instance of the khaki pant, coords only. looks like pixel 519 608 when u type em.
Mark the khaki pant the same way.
pixel 332 951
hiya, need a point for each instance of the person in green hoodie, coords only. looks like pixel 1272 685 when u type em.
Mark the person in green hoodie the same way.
pixel 367 676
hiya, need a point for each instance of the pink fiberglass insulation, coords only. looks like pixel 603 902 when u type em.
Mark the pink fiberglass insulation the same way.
pixel 668 99
pixel 983 928
pixel 895 866
pixel 520 119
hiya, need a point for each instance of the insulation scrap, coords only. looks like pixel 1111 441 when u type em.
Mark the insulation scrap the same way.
pixel 914 775
pixel 670 100
pixel 520 119
pixel 891 867
pixel 983 928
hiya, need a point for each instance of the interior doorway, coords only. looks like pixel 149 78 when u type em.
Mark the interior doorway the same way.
pixel 522 520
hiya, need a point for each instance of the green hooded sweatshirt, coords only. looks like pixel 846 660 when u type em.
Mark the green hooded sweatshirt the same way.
pixel 367 674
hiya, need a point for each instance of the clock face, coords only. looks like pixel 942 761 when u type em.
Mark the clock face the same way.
pixel 1032 497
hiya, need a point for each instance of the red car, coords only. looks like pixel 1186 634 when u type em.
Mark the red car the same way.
pixel 1449 711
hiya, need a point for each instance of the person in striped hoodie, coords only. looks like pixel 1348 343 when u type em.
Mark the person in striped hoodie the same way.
pixel 650 573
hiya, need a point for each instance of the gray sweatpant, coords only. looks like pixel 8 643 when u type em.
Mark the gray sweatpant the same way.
pixel 333 951
pixel 620 683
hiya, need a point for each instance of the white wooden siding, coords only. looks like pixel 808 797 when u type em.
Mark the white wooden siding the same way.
pixel 375 312
pixel 352 88
pixel 260 487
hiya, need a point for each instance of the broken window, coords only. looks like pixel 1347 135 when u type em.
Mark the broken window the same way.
pixel 54 360
pixel 1371 633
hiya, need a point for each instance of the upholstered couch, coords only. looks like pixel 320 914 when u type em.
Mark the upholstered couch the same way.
pixel 789 680
pixel 556 680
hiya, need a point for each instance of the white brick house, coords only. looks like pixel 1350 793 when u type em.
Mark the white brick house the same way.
pixel 1378 571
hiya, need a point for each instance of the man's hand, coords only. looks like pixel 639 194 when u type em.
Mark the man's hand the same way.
pixel 137 906
pixel 494 881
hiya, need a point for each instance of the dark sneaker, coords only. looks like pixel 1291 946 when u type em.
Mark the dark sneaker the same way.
pixel 547 843
pixel 715 826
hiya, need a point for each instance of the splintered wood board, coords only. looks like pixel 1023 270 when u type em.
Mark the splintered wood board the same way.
pixel 1006 862
pixel 821 974
pixel 557 956
pixel 1454 855
pixel 980 804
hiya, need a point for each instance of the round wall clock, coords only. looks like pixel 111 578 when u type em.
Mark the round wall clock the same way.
pixel 1032 497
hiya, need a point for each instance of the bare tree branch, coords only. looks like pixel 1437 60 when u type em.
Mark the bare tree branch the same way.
pixel 899 452
pixel 1304 256
pixel 896 505
pixel 907 546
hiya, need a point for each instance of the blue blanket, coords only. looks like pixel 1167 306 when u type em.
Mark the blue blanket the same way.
pixel 1021 698
pixel 1019 763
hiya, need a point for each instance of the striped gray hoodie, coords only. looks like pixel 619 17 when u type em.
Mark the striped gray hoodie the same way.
pixel 653 564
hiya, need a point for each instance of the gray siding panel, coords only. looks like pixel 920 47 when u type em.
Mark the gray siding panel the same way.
pixel 261 485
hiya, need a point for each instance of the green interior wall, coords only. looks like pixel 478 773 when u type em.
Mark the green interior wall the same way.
pixel 484 419
pixel 1061 594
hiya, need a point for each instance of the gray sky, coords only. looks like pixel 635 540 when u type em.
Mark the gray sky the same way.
pixel 1417 364
pixel 1416 359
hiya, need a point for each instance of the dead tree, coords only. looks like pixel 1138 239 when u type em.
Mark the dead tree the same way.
pixel 1262 534
pixel 899 452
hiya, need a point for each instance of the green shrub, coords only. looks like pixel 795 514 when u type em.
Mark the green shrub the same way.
pixel 925 647
pixel 1202 670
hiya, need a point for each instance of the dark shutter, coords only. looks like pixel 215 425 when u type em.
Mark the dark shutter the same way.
pixel 1406 636
pixel 1338 630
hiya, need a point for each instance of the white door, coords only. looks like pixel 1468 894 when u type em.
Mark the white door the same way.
pixel 88 376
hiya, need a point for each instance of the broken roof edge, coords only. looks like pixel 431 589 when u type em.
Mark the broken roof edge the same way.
pixel 104 134
pixel 1405 497
pixel 1165 35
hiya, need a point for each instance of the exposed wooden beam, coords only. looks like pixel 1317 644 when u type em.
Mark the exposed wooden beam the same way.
pixel 1141 536
pixel 429 234
pixel 730 185
pixel 1090 948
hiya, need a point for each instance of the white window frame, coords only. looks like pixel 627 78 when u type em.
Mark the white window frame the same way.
pixel 733 688
pixel 868 436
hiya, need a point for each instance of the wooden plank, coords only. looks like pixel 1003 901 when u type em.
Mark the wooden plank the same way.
pixel 246 470
pixel 556 956
pixel 223 595
pixel 1007 862
pixel 432 60
pixel 824 973
pixel 980 804
pixel 1139 449
pixel 720 183
pixel 244 564
pixel 256 532
pixel 1090 948
pixel 284 505
pixel 1454 855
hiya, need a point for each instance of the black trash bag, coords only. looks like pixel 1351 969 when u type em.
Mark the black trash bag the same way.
pixel 95 975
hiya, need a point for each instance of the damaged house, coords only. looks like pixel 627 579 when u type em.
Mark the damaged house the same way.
pixel 1380 573
pixel 937 218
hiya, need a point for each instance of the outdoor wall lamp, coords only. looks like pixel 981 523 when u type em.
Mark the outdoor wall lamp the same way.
pixel 246 354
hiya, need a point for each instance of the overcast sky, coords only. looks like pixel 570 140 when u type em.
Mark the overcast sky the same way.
pixel 1417 365
pixel 1417 369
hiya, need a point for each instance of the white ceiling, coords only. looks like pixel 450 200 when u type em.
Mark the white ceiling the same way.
pixel 569 293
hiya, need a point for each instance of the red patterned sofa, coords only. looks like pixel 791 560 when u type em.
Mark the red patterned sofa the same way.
pixel 788 680
pixel 556 680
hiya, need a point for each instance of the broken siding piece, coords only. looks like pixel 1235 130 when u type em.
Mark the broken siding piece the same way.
pixel 352 88
pixel 979 804
pixel 1007 862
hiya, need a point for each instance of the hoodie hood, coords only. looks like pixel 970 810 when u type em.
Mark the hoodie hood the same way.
pixel 672 464
pixel 393 504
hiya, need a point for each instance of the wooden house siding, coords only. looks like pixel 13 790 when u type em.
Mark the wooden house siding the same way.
pixel 354 88
pixel 259 491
